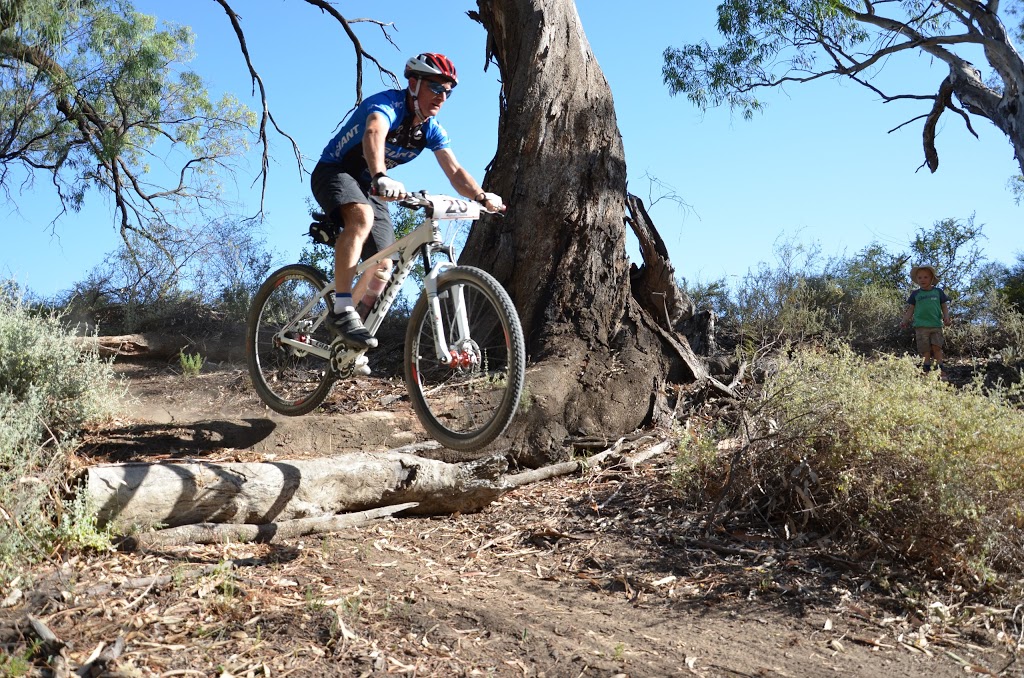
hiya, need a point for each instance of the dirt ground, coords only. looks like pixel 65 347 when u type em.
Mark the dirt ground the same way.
pixel 605 574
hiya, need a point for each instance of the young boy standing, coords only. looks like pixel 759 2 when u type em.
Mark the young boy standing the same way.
pixel 928 307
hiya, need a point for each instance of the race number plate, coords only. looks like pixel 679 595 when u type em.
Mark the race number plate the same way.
pixel 447 207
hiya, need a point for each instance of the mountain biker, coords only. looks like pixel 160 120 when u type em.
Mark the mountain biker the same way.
pixel 351 183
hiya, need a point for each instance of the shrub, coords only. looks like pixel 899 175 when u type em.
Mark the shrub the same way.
pixel 869 319
pixel 803 296
pixel 998 331
pixel 885 456
pixel 49 390
pixel 191 363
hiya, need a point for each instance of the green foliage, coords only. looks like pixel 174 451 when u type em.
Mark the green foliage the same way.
pixel 319 257
pixel 189 276
pixel 191 363
pixel 1016 185
pixel 953 247
pixel 875 266
pixel 867 317
pixel 230 267
pixel 859 299
pixel 697 461
pixel 877 453
pixel 795 300
pixel 15 665
pixel 1011 284
pixel 79 525
pixel 405 222
pixel 772 43
pixel 713 295
pixel 756 34
pixel 91 92
pixel 49 390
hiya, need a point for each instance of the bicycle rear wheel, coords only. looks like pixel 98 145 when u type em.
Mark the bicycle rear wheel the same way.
pixel 465 405
pixel 287 378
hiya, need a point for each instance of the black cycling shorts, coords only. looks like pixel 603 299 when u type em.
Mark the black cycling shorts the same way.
pixel 334 188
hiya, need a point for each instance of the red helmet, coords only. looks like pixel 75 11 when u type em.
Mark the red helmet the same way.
pixel 431 64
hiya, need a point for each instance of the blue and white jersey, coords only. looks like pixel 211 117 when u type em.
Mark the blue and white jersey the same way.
pixel 404 141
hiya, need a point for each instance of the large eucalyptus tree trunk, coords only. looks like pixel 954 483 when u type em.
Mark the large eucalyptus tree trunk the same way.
pixel 598 362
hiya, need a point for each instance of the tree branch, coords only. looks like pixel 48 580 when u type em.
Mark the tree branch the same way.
pixel 267 116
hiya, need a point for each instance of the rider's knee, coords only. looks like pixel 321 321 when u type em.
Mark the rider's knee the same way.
pixel 356 217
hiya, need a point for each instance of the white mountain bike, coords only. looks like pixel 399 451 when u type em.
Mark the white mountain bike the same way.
pixel 465 358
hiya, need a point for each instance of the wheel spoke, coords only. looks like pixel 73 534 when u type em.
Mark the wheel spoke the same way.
pixel 289 378
pixel 467 403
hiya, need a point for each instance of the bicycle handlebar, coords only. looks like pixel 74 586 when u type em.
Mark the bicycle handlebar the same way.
pixel 431 202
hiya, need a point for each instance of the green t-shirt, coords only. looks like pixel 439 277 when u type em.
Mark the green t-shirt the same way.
pixel 928 306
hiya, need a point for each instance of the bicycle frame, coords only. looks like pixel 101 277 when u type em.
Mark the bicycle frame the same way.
pixel 425 240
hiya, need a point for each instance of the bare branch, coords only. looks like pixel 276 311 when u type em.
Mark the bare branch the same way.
pixel 361 53
pixel 267 116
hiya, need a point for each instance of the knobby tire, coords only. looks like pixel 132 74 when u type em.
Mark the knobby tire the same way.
pixel 465 408
pixel 289 381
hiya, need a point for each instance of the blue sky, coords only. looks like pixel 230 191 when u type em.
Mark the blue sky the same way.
pixel 818 166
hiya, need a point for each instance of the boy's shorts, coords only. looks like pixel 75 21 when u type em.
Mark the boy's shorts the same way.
pixel 333 188
pixel 927 337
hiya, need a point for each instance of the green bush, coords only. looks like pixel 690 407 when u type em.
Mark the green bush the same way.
pixel 49 390
pixel 191 363
pixel 803 296
pixel 882 455
pixel 998 332
pixel 869 317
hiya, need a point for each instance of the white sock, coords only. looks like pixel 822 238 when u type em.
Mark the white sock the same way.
pixel 342 303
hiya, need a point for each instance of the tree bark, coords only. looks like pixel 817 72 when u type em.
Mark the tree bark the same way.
pixel 599 366
pixel 654 283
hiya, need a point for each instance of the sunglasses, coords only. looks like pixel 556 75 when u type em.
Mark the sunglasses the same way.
pixel 438 88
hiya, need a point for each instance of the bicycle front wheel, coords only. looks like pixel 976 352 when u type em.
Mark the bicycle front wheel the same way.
pixel 284 319
pixel 468 402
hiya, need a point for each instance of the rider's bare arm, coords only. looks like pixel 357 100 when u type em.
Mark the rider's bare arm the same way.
pixel 462 181
pixel 373 143
pixel 386 187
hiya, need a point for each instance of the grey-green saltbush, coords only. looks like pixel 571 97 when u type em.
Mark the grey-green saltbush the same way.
pixel 49 390
pixel 878 453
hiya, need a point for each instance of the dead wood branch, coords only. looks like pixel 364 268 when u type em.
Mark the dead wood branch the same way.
pixel 208 503
pixel 697 368
pixel 102 658
pixel 654 283
pixel 53 646
pixel 219 533
pixel 135 583
pixel 609 457
pixel 227 345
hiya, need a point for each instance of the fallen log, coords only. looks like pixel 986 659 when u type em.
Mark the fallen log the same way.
pixel 138 495
pixel 116 345
pixel 244 502
pixel 225 345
